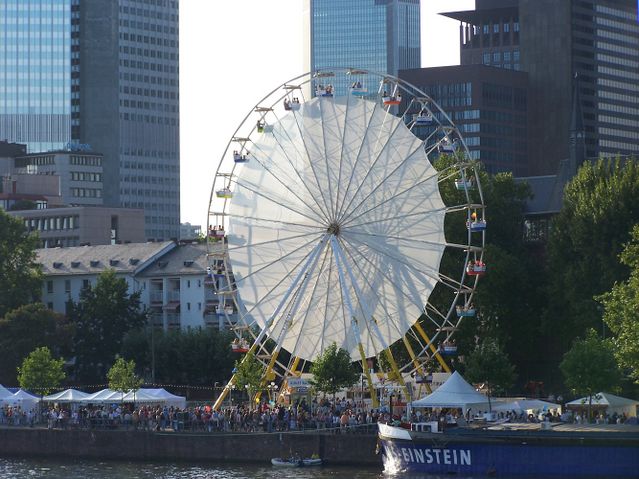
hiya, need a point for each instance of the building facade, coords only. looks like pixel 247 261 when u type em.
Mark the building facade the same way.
pixel 489 106
pixel 175 284
pixel 84 225
pixel 102 73
pixel 590 43
pixel 381 36
pixel 80 174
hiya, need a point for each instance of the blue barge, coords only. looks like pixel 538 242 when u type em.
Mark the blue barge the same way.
pixel 466 451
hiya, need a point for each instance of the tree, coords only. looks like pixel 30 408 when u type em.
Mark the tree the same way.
pixel 488 364
pixel 589 366
pixel 40 372
pixel 20 277
pixel 621 305
pixel 248 374
pixel 102 317
pixel 27 328
pixel 333 370
pixel 601 205
pixel 122 377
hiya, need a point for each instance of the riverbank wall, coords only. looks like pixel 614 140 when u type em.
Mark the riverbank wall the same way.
pixel 335 449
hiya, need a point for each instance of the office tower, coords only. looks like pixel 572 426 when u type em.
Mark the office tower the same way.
pixel 489 106
pixel 102 73
pixel 559 43
pixel 377 35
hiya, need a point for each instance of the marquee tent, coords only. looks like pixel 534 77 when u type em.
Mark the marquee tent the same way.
pixel 611 403
pixel 103 396
pixel 524 405
pixel 168 398
pixel 21 398
pixel 66 396
pixel 454 393
pixel 4 392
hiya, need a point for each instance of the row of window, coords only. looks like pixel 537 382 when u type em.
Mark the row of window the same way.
pixel 150 179
pixel 148 27
pixel 86 176
pixel 158 15
pixel 165 42
pixel 155 67
pixel 55 223
pixel 138 165
pixel 154 120
pixel 60 241
pixel 86 192
pixel 149 192
pixel 148 79
pixel 85 160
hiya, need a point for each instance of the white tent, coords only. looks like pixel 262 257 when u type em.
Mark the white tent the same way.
pixel 167 398
pixel 4 392
pixel 24 399
pixel 454 393
pixel 103 396
pixel 610 402
pixel 524 405
pixel 66 396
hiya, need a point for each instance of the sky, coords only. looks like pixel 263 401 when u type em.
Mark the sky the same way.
pixel 233 53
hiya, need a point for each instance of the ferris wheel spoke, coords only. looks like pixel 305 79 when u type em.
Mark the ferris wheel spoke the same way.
pixel 359 155
pixel 376 221
pixel 341 157
pixel 255 189
pixel 345 220
pixel 287 187
pixel 326 156
pixel 371 168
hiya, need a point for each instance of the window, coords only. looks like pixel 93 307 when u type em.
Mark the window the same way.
pixel 50 305
pixel 85 283
pixel 188 283
pixel 506 27
pixel 506 57
pixel 496 28
pixel 188 306
pixel 486 58
pixel 67 285
pixel 496 57
pixel 50 287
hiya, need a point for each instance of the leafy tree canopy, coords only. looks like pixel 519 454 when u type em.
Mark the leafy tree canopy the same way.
pixel 122 376
pixel 104 314
pixel 601 205
pixel 248 373
pixel 27 328
pixel 333 370
pixel 20 277
pixel 621 307
pixel 40 372
pixel 589 366
pixel 489 364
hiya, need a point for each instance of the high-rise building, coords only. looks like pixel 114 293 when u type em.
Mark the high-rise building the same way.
pixel 560 43
pixel 102 73
pixel 377 35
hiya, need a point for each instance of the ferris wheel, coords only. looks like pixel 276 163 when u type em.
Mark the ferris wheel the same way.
pixel 345 209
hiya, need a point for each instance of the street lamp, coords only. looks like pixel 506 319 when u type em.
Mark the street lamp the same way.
pixel 231 389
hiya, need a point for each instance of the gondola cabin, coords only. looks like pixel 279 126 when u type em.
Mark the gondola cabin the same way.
pixel 358 90
pixel 392 99
pixel 464 184
pixel 449 349
pixel 239 157
pixel 224 193
pixel 447 146
pixel 325 91
pixel 476 268
pixel 292 105
pixel 477 225
pixel 423 118
pixel 216 232
pixel 262 127
pixel 240 346
pixel 465 312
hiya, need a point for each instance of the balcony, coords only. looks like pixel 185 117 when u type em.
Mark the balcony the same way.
pixel 173 320
pixel 173 296
pixel 156 296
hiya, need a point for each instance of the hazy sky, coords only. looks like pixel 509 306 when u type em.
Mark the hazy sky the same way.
pixel 233 53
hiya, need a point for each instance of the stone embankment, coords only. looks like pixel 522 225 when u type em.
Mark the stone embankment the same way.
pixel 335 449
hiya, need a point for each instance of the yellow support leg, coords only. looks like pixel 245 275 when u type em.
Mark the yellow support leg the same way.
pixel 395 369
pixel 267 373
pixel 296 362
pixel 371 388
pixel 425 337
pixel 418 367
pixel 220 399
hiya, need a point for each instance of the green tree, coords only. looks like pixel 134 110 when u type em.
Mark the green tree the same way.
pixel 601 205
pixel 102 317
pixel 20 276
pixel 40 372
pixel 248 374
pixel 489 364
pixel 589 366
pixel 122 377
pixel 333 370
pixel 27 328
pixel 621 307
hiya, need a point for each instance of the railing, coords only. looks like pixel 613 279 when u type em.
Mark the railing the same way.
pixel 156 296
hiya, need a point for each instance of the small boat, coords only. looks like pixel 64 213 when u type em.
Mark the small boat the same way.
pixel 296 462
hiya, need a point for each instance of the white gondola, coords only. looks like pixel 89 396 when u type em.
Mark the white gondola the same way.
pixel 325 91
pixel 391 99
pixel 447 146
pixel 292 105
pixel 449 348
pixel 464 184
pixel 476 225
pixel 216 232
pixel 423 118
pixel 240 157
pixel 224 193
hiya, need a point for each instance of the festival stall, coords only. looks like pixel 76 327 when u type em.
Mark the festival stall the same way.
pixel 608 402
pixel 454 393
pixel 66 396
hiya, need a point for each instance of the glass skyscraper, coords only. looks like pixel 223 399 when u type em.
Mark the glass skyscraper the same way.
pixel 102 74
pixel 378 35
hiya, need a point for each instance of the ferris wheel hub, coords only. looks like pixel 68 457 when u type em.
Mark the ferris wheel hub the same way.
pixel 333 228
